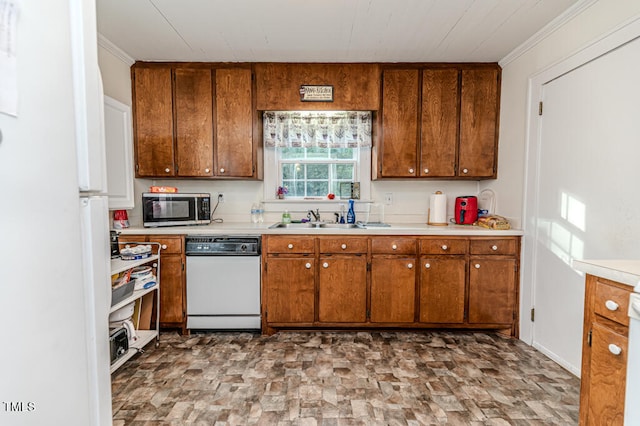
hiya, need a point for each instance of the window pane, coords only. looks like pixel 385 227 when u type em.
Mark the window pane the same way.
pixel 295 188
pixel 344 172
pixel 317 189
pixel 343 153
pixel 292 152
pixel 317 152
pixel 317 171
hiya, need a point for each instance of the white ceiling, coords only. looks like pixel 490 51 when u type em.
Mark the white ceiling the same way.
pixel 323 30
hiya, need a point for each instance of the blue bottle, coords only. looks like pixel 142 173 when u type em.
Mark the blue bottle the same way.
pixel 351 214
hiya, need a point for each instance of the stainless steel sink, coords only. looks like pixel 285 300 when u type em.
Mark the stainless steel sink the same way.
pixel 314 225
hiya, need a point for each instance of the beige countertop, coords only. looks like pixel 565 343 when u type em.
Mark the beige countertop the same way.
pixel 624 271
pixel 243 228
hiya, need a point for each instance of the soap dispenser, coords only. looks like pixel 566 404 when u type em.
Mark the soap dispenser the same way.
pixel 351 214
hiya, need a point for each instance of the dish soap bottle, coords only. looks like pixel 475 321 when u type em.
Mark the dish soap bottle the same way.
pixel 351 214
pixel 286 217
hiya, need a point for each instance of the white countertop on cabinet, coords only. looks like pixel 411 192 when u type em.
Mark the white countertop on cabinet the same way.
pixel 623 271
pixel 243 228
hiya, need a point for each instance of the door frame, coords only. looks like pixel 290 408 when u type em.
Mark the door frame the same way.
pixel 609 41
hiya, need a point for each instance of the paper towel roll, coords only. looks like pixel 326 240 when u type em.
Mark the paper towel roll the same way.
pixel 437 209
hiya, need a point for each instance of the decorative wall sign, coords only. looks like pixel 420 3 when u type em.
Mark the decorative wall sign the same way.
pixel 316 93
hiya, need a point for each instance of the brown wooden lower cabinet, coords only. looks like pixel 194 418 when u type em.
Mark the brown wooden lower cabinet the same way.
pixel 390 282
pixel 604 352
pixel 172 278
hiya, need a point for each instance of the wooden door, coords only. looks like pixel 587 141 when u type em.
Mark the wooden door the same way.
pixel 172 301
pixel 234 123
pixel 400 94
pixel 442 284
pixel 393 285
pixel 193 120
pixel 439 122
pixel 479 107
pixel 608 373
pixel 492 291
pixel 290 291
pixel 153 122
pixel 342 291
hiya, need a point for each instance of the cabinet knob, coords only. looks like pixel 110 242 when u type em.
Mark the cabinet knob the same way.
pixel 494 248
pixel 307 265
pixel 445 247
pixel 426 171
pixel 222 170
pixel 325 265
pixel 207 170
pixel 164 247
pixel 411 171
pixel 465 171
pixel 290 246
pixel 477 266
pixel 615 349
pixel 410 265
pixel 167 170
pixel 611 305
pixel 427 265
pixel 394 247
pixel 344 247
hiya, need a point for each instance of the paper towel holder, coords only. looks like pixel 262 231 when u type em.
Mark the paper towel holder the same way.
pixel 440 217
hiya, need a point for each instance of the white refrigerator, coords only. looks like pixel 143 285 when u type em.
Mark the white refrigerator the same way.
pixel 54 225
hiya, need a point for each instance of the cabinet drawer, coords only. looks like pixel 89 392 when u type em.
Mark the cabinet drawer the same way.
pixel 393 245
pixel 343 245
pixel 443 246
pixel 168 244
pixel 612 302
pixel 503 246
pixel 285 244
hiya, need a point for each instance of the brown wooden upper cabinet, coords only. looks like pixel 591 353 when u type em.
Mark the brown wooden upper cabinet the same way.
pixel 356 87
pixel 193 121
pixel 439 122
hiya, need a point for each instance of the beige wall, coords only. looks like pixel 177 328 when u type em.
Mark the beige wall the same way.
pixel 594 22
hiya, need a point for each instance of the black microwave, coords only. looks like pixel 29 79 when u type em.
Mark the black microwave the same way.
pixel 171 209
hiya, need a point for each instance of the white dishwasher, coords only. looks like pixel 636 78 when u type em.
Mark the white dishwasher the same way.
pixel 223 282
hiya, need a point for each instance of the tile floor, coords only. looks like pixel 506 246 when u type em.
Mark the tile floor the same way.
pixel 343 378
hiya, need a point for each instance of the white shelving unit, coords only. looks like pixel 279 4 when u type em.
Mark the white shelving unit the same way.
pixel 144 336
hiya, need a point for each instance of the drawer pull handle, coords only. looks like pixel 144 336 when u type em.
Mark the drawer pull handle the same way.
pixel 465 171
pixel 494 248
pixel 426 171
pixel 325 265
pixel 290 246
pixel 394 247
pixel 222 170
pixel 307 265
pixel 164 247
pixel 411 171
pixel 611 305
pixel 444 247
pixel 207 170
pixel 427 265
pixel 477 266
pixel 615 349
pixel 167 170
pixel 410 265
pixel 344 246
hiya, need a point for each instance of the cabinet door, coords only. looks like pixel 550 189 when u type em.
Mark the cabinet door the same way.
pixel 393 289
pixel 479 123
pixel 400 94
pixel 608 373
pixel 442 284
pixel 342 291
pixel 193 119
pixel 492 291
pixel 234 123
pixel 439 131
pixel 153 118
pixel 171 290
pixel 289 292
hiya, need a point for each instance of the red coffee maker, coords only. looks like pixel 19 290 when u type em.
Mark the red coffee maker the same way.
pixel 466 212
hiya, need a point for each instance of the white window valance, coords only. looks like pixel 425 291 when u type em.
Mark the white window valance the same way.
pixel 341 129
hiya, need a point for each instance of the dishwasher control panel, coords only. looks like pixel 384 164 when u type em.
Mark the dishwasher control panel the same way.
pixel 224 245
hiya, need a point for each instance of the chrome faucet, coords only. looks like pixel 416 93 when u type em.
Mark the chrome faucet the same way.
pixel 316 215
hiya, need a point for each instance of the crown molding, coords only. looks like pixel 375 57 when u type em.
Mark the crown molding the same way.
pixel 106 44
pixel 547 30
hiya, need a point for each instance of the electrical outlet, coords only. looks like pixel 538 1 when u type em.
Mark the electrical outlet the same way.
pixel 388 198
pixel 220 197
